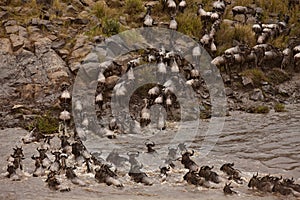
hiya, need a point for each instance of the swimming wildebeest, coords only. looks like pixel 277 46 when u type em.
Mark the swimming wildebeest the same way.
pixel 138 176
pixel 188 162
pixel 208 174
pixel 105 175
pixel 234 174
pixel 227 189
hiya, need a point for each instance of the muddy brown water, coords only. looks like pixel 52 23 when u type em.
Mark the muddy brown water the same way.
pixel 254 142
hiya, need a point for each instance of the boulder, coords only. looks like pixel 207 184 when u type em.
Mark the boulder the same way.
pixel 5 45
pixel 11 29
pixel 81 52
pixel 246 81
pixel 257 95
pixel 16 41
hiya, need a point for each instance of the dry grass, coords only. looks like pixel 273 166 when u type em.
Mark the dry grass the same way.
pixel 101 10
pixel 257 76
pixel 240 33
pixel 189 24
pixel 134 7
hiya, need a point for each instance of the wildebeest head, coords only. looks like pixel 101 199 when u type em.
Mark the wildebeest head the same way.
pixel 42 152
pixel 164 170
pixel 18 152
pixel 150 146
pixel 64 141
pixel 254 181
pixel 288 181
pixel 187 162
pixel 186 156
pixel 56 154
pixel 226 166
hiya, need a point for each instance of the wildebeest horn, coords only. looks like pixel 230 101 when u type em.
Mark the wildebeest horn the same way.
pixel 192 153
pixel 133 153
pixel 149 143
pixel 254 176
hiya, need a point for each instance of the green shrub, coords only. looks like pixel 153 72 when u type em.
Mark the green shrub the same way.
pixel 261 109
pixel 46 124
pixel 111 27
pixel 279 107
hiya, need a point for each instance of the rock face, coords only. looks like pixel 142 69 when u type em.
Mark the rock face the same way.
pixel 41 48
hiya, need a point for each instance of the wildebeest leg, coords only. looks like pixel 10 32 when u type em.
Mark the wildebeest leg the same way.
pixel 245 18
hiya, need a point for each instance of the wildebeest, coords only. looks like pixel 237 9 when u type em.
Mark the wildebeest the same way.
pixel 208 174
pixel 263 185
pixel 54 184
pixel 70 174
pixel 243 10
pixel 188 162
pixel 291 184
pixel 227 189
pixel 105 175
pixel 193 178
pixel 233 173
pixel 138 176
pixel 280 188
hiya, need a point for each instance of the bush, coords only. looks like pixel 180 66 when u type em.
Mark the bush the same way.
pixel 45 124
pixel 133 7
pixel 279 107
pixel 277 76
pixel 111 27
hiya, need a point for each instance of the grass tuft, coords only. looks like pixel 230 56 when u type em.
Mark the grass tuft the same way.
pixel 279 107
pixel 256 75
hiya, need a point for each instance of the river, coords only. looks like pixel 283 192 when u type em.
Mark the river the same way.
pixel 263 143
